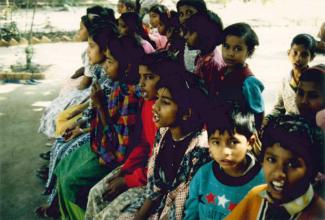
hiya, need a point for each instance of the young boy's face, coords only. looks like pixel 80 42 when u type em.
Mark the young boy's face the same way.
pixel 299 57
pixel 164 109
pixel 309 99
pixel 285 174
pixel 229 151
pixel 148 82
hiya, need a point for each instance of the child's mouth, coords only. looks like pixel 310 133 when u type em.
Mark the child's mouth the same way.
pixel 278 185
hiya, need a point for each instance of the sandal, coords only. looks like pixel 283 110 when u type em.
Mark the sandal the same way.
pixel 45 156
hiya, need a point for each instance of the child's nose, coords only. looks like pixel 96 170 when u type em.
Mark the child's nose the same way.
pixel 280 172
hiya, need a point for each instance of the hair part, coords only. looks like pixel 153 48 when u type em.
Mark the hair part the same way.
pixel 199 5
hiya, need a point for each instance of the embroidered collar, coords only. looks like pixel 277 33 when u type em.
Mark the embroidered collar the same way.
pixel 297 205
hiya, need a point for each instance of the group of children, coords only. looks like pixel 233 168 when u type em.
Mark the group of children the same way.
pixel 157 124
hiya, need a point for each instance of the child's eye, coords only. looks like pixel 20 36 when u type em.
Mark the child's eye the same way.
pixel 225 46
pixel 270 159
pixel 215 142
pixel 148 77
pixel 238 49
pixel 189 12
pixel 313 95
pixel 234 142
pixel 294 164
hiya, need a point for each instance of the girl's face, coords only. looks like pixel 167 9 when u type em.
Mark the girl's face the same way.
pixel 111 65
pixel 285 174
pixel 299 57
pixel 83 32
pixel 309 99
pixel 185 12
pixel 121 8
pixel 192 40
pixel 154 19
pixel 234 51
pixel 148 82
pixel 229 151
pixel 122 28
pixel 164 109
pixel 94 53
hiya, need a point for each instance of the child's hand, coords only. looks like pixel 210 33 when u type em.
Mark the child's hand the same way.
pixel 71 134
pixel 97 95
pixel 115 186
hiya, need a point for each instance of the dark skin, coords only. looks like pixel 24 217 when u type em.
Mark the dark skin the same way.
pixel 115 186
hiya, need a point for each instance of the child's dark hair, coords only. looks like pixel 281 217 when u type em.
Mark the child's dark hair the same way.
pixel 294 133
pixel 307 41
pixel 161 10
pixel 97 13
pixel 185 93
pixel 245 32
pixel 208 26
pixel 128 62
pixel 199 5
pixel 131 5
pixel 134 23
pixel 233 119
pixel 315 74
pixel 102 32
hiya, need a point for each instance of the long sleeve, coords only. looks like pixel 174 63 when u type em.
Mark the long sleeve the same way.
pixel 111 143
pixel 135 167
pixel 252 91
pixel 192 202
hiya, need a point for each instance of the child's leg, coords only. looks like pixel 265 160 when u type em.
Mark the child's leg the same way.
pixel 96 203
pixel 123 201
pixel 79 170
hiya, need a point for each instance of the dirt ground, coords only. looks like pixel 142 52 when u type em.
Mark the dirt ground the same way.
pixel 21 105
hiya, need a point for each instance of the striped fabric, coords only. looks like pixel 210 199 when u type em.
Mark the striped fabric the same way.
pixel 111 143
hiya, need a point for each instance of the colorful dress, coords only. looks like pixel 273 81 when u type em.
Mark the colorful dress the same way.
pixel 258 205
pixel 134 170
pixel 171 193
pixel 61 149
pixel 81 170
pixel 63 101
pixel 213 193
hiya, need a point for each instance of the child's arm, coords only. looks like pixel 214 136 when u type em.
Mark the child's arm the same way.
pixel 85 82
pixel 252 91
pixel 144 211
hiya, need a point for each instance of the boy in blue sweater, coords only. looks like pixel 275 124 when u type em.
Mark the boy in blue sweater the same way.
pixel 221 184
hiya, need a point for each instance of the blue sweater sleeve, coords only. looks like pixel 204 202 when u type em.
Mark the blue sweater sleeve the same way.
pixel 252 91
pixel 192 202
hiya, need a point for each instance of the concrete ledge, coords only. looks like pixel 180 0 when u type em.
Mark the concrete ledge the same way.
pixel 20 76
